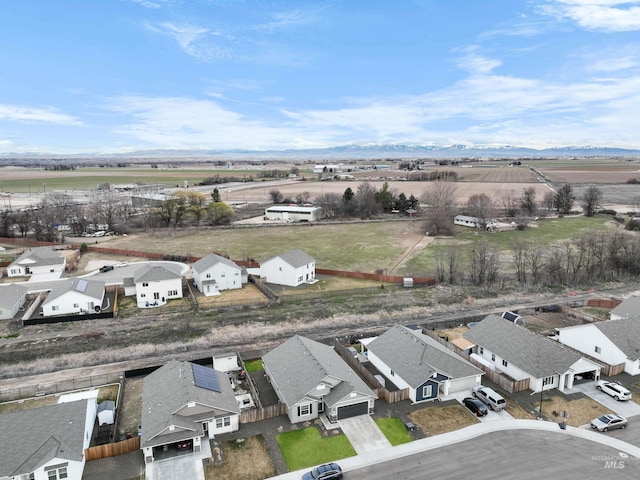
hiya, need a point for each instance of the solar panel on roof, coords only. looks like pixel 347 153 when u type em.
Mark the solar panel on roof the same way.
pixel 205 377
pixel 81 286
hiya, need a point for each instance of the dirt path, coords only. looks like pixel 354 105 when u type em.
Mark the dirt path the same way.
pixel 419 243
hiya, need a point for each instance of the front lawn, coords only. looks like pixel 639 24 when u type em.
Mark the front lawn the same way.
pixel 307 447
pixel 394 430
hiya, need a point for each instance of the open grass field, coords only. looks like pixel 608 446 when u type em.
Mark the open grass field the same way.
pixel 307 447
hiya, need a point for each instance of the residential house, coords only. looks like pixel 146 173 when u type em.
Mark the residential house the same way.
pixel 155 285
pixel 72 296
pixel 629 307
pixel 410 359
pixel 184 405
pixel 615 342
pixel 214 273
pixel 291 269
pixel 46 443
pixel 12 298
pixel 42 261
pixel 312 379
pixel 521 354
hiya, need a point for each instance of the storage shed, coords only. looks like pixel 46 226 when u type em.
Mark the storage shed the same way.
pixel 226 362
pixel 106 412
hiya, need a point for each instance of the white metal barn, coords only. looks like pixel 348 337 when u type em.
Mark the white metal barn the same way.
pixel 293 213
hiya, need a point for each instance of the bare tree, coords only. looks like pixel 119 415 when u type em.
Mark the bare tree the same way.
pixel 448 266
pixel 528 201
pixel 439 199
pixel 331 204
pixel 276 196
pixel 481 207
pixel 564 199
pixel 591 201
pixel 484 263
pixel 303 197
pixel 549 201
pixel 366 200
pixel 510 203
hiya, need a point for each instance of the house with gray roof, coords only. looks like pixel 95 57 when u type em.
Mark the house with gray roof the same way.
pixel 517 352
pixel 155 285
pixel 215 273
pixel 630 307
pixel 312 380
pixel 46 443
pixel 184 405
pixel 43 261
pixel 290 269
pixel 410 359
pixel 12 298
pixel 73 296
pixel 615 343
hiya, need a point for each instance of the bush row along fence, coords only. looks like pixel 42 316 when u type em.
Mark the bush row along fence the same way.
pixel 372 381
pixel 55 388
pixel 112 449
pixel 505 382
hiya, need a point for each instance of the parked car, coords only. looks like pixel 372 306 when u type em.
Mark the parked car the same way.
pixel 610 421
pixel 614 389
pixel 328 471
pixel 106 268
pixel 489 396
pixel 476 406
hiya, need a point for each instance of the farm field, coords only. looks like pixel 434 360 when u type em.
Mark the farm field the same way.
pixel 595 174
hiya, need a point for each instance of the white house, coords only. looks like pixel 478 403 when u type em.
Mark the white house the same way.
pixel 629 307
pixel 155 285
pixel 410 359
pixel 614 342
pixel 71 296
pixel 183 404
pixel 12 298
pixel 46 443
pixel 214 273
pixel 292 269
pixel 521 354
pixel 293 213
pixel 38 261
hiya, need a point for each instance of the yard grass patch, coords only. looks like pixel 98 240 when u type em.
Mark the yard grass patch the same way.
pixel 394 430
pixel 307 447
pixel 244 460
pixel 253 365
pixel 436 420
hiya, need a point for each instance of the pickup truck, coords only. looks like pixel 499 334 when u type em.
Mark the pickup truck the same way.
pixel 614 389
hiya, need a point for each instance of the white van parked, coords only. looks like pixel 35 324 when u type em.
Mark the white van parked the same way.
pixel 490 397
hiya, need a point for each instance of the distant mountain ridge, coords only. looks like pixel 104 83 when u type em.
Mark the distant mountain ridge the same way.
pixel 357 151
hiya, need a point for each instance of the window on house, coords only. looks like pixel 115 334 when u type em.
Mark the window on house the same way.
pixel 208 275
pixel 142 295
pixel 172 293
pixel 598 349
pixel 481 350
pixel 280 268
pixel 32 476
pixel 304 410
pixel 145 284
pixel 222 275
pixel 547 381
pixel 76 305
pixel 156 296
pixel 392 373
pixel 57 473
pixel 223 422
pixel 55 308
pixel 300 278
pixel 504 363
pixel 493 357
pixel 427 391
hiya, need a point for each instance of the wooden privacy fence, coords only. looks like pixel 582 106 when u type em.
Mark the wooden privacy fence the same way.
pixel 259 414
pixel 603 302
pixel 112 449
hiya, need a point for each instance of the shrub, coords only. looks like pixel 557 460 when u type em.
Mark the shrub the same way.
pixel 607 212
pixel 84 248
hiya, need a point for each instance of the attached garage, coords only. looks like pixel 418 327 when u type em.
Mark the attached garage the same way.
pixel 464 383
pixel 354 410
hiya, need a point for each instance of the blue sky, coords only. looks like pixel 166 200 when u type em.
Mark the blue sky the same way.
pixel 100 76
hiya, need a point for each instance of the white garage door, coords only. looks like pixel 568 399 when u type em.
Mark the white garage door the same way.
pixel 462 384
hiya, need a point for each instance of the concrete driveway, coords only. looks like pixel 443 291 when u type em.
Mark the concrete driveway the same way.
pixel 626 409
pixel 492 416
pixel 364 434
pixel 183 467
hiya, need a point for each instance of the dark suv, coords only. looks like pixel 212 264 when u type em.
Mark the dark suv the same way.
pixel 476 406
pixel 106 268
pixel 329 471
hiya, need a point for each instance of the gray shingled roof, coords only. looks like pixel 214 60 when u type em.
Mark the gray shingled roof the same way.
pixel 154 273
pixel 630 307
pixel 40 256
pixel 210 260
pixel 624 333
pixel 172 387
pixel 94 289
pixel 11 294
pixel 31 438
pixel 415 357
pixel 295 258
pixel 535 354
pixel 299 365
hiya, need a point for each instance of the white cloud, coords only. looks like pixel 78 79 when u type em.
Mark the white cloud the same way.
pixel 193 40
pixel 19 113
pixel 476 63
pixel 601 15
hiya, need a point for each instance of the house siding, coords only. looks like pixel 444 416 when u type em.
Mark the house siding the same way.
pixel 225 276
pixel 278 272
pixel 147 294
pixel 65 304
pixel 585 339
pixel 419 393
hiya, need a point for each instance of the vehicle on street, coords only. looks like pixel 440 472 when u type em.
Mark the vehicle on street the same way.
pixel 614 389
pixel 489 396
pixel 609 421
pixel 106 268
pixel 328 471
pixel 476 406
pixel 121 264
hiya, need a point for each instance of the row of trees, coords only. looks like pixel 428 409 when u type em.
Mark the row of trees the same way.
pixel 593 257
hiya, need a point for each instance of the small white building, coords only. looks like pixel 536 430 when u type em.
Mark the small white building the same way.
pixel 226 362
pixel 155 285
pixel 214 273
pixel 12 298
pixel 72 296
pixel 38 261
pixel 107 412
pixel 291 269
pixel 293 213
